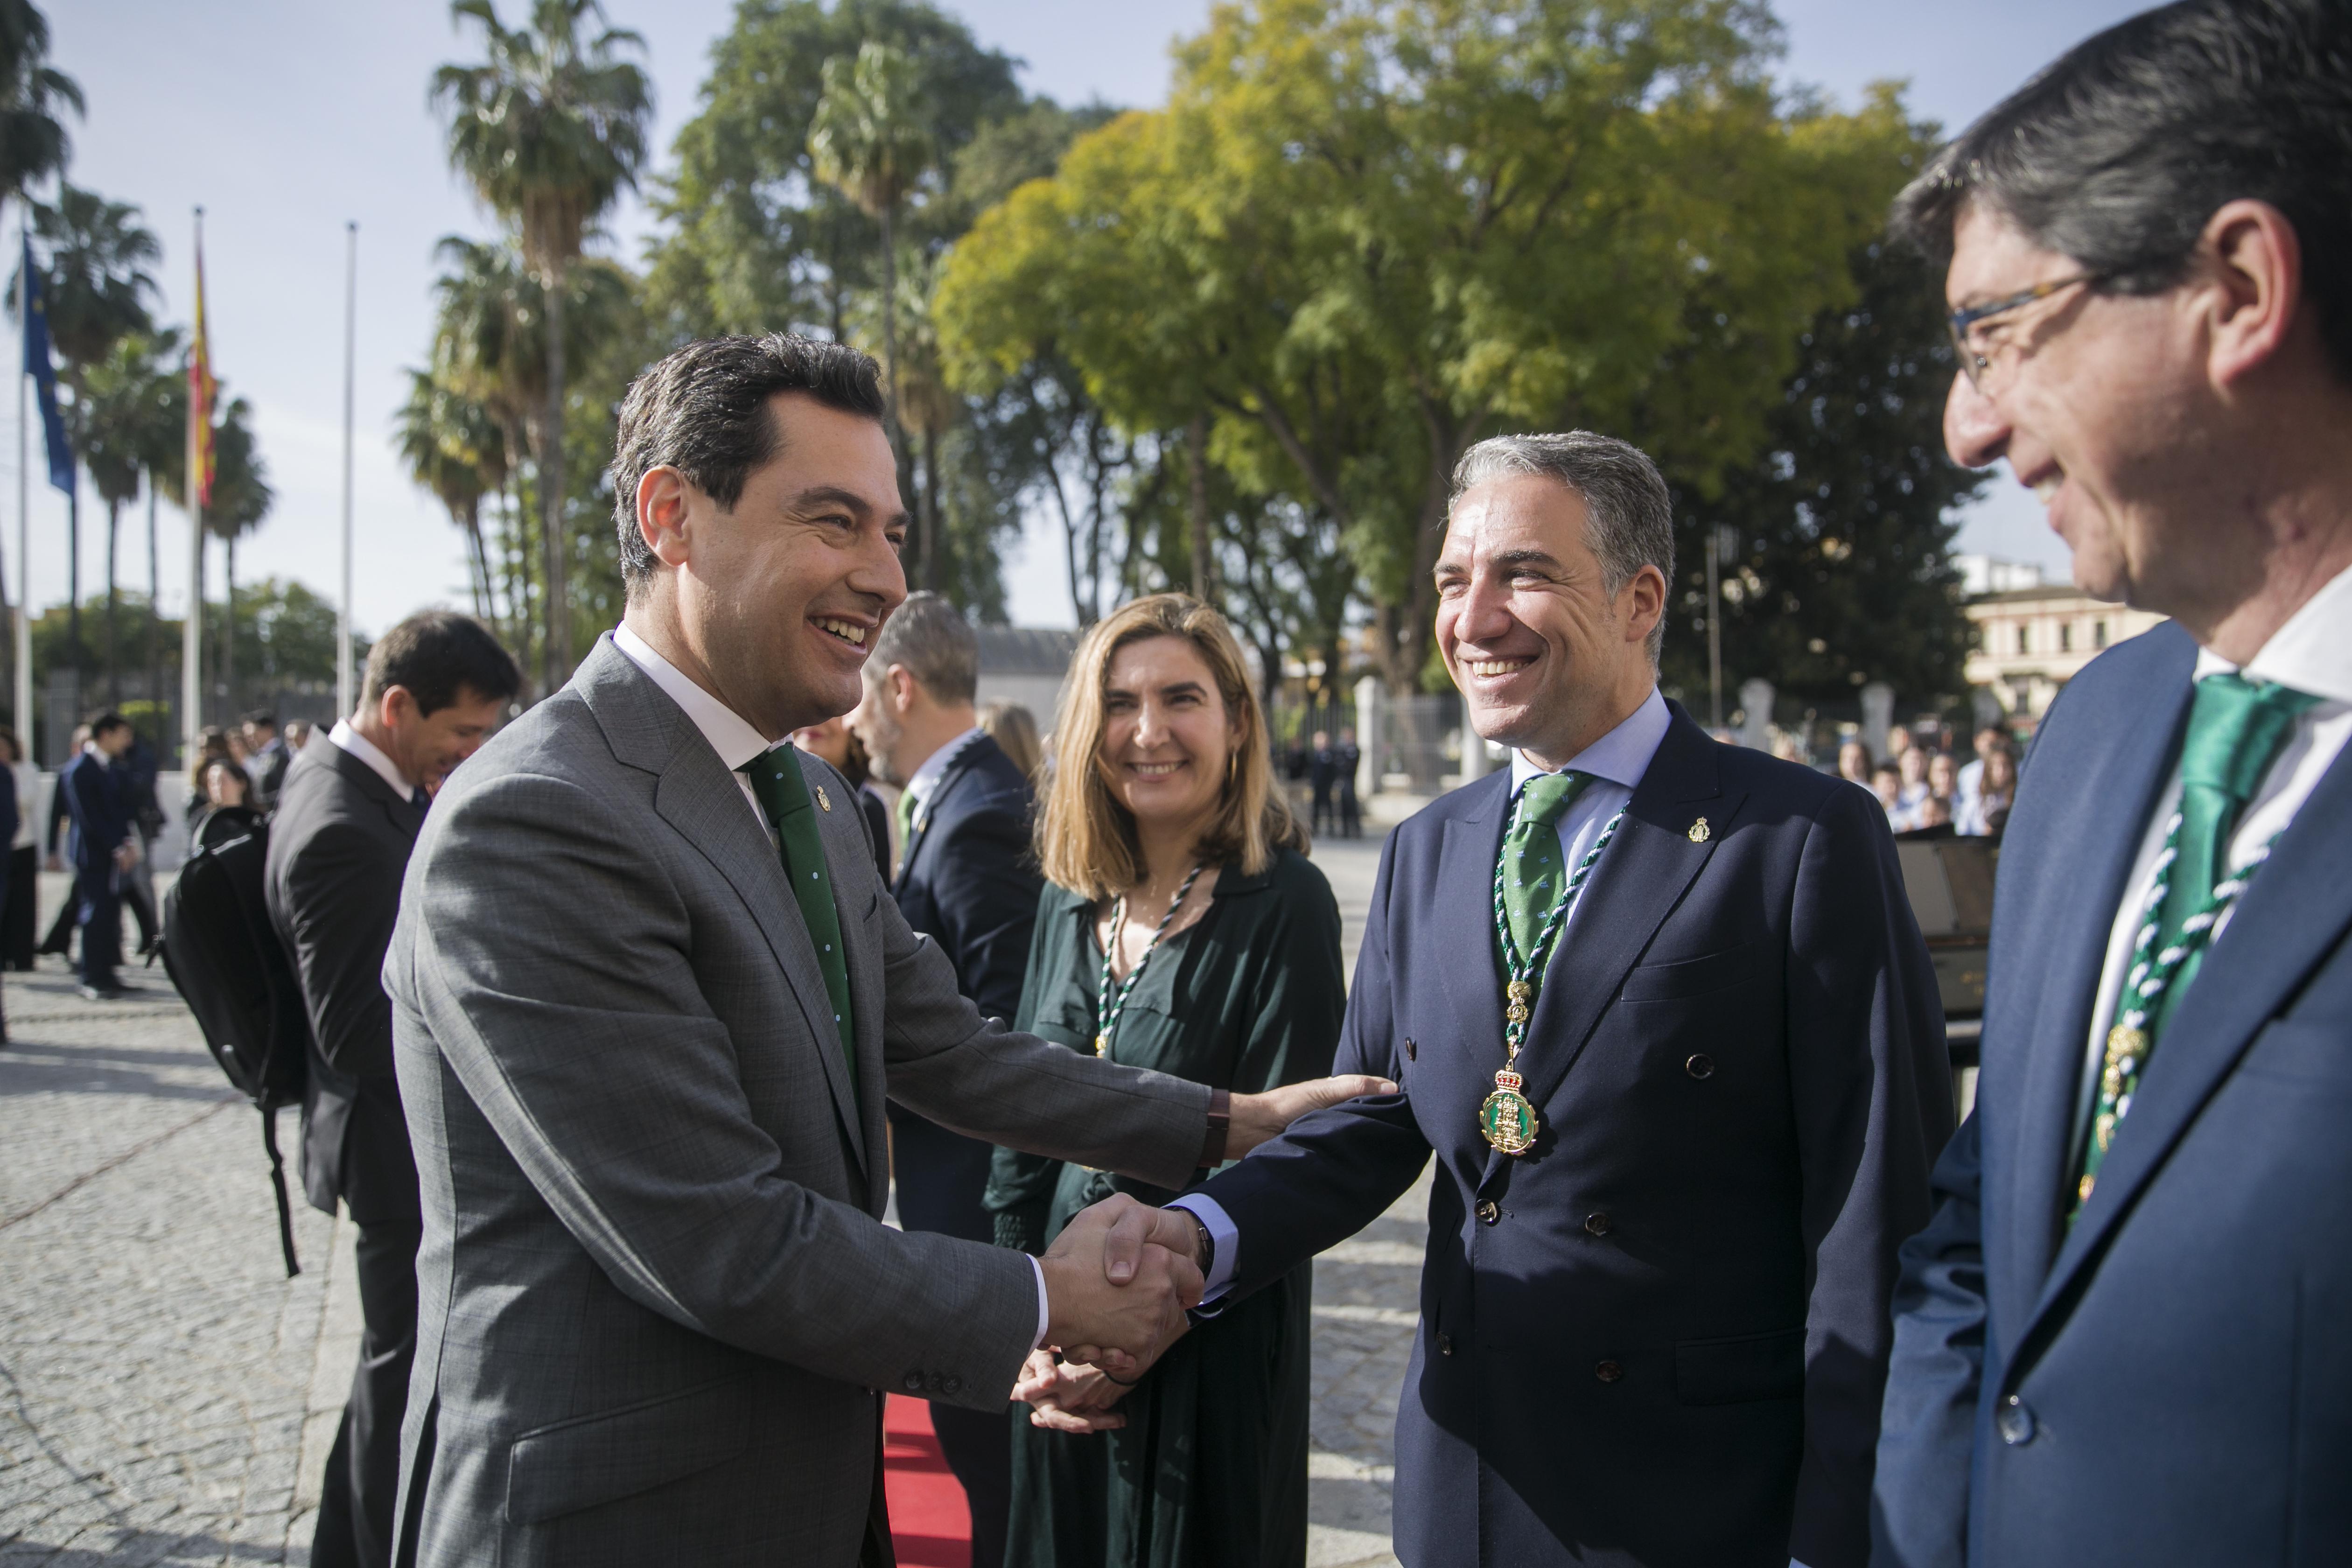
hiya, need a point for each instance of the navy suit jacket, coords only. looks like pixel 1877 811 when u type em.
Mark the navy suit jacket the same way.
pixel 2169 1380
pixel 1658 1338
pixel 968 880
pixel 99 806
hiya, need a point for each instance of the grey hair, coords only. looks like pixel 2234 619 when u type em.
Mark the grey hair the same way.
pixel 929 637
pixel 2117 154
pixel 1629 516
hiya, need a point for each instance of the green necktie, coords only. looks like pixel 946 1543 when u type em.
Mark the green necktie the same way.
pixel 906 818
pixel 1534 869
pixel 783 794
pixel 2237 729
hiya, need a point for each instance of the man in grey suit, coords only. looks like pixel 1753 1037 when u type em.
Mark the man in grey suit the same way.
pixel 649 996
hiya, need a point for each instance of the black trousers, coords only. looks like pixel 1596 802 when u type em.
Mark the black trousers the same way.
pixel 100 915
pixel 21 913
pixel 941 1175
pixel 355 1504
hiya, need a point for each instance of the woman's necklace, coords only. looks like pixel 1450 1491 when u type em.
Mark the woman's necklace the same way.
pixel 1111 1001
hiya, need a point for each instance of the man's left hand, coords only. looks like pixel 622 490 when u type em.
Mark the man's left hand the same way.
pixel 1258 1118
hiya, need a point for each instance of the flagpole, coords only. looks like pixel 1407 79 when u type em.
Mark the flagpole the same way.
pixel 351 359
pixel 191 630
pixel 23 530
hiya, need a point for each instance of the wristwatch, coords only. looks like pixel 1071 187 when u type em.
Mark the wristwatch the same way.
pixel 1221 1121
pixel 1204 1244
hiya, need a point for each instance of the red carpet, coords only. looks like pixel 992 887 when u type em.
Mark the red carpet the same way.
pixel 928 1523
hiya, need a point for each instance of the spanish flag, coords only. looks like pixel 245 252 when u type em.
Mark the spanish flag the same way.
pixel 202 389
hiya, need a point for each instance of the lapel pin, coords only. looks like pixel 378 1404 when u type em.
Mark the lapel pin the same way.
pixel 825 801
pixel 1699 831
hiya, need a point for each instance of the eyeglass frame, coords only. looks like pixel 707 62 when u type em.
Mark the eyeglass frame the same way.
pixel 1958 322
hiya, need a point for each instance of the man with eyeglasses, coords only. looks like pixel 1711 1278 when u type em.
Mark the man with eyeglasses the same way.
pixel 2127 1336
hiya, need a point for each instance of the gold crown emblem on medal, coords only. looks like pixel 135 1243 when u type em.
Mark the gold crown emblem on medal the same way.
pixel 822 800
pixel 1699 831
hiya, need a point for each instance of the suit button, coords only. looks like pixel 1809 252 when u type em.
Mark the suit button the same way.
pixel 1700 1066
pixel 1444 1344
pixel 952 1386
pixel 1488 1213
pixel 1596 1224
pixel 1412 1051
pixel 2015 1422
pixel 914 1382
pixel 1609 1370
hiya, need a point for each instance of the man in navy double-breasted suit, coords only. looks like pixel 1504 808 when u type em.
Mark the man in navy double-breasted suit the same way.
pixel 105 846
pixel 1657 1335
pixel 2126 1337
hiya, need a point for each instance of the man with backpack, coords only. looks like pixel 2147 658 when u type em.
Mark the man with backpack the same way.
pixel 339 846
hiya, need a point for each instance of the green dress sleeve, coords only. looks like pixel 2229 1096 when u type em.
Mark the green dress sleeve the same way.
pixel 1302 990
pixel 1020 1193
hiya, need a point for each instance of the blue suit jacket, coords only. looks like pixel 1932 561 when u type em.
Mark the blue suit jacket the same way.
pixel 100 809
pixel 970 882
pixel 2170 1380
pixel 1657 1338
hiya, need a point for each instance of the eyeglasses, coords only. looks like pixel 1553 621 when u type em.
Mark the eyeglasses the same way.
pixel 1976 356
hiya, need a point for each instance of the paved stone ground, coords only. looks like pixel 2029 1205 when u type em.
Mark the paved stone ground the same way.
pixel 167 1396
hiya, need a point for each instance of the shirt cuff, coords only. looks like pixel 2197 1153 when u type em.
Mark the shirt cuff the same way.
pixel 1222 1237
pixel 1044 1316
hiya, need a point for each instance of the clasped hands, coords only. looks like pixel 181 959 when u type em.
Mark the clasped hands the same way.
pixel 1122 1275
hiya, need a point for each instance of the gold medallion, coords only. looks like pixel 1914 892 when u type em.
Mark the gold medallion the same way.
pixel 2123 1041
pixel 1102 1044
pixel 822 800
pixel 1699 831
pixel 1507 1119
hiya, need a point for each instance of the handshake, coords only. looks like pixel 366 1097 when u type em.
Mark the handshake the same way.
pixel 1122 1275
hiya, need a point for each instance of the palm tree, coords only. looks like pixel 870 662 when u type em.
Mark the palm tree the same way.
pixel 869 141
pixel 97 291
pixel 33 141
pixel 549 129
pixel 241 499
pixel 452 447
pixel 134 419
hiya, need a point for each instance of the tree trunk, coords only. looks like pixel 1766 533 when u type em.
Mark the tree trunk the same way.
pixel 73 574
pixel 550 489
pixel 477 563
pixel 1204 562
pixel 154 619
pixel 890 324
pixel 929 565
pixel 228 631
pixel 113 669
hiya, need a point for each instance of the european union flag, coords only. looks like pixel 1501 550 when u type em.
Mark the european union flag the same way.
pixel 44 377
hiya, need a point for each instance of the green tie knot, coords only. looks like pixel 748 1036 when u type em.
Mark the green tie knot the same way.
pixel 2236 729
pixel 1547 797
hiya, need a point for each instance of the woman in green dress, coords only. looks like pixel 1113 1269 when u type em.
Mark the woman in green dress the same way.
pixel 1182 930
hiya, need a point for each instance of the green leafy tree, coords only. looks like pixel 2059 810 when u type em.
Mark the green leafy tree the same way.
pixel 758 240
pixel 1367 233
pixel 133 418
pixel 241 500
pixel 1840 573
pixel 869 141
pixel 549 129
pixel 34 97
pixel 452 446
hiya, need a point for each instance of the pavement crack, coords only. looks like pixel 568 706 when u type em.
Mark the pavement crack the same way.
pixel 119 1160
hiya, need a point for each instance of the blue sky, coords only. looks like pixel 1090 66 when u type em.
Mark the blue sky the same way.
pixel 286 118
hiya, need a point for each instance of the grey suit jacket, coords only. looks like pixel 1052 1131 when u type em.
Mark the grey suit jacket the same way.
pixel 653 1298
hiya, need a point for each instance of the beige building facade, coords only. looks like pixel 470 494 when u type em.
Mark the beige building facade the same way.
pixel 2032 641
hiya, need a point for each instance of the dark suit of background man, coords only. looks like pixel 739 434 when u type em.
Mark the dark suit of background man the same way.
pixel 967 879
pixel 1322 774
pixel 1349 756
pixel 1658 1335
pixel 105 846
pixel 2126 1337
pixel 347 819
pixel 267 758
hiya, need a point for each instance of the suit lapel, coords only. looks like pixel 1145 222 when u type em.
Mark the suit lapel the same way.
pixel 696 795
pixel 2097 840
pixel 402 813
pixel 2293 912
pixel 1464 915
pixel 1633 887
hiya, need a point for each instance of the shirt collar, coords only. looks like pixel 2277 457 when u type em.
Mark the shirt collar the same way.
pixel 734 739
pixel 1620 757
pixel 926 777
pixel 368 752
pixel 2312 652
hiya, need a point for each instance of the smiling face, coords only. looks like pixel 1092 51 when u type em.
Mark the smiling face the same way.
pixel 777 599
pixel 1167 733
pixel 2102 405
pixel 1548 659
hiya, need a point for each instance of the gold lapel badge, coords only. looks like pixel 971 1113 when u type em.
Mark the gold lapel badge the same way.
pixel 1699 831
pixel 822 800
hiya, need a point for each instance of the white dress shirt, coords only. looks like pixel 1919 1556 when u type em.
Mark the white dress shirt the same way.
pixel 1616 761
pixel 737 743
pixel 2312 653
pixel 368 752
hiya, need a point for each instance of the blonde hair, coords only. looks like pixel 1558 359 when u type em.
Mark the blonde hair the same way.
pixel 1014 729
pixel 1085 838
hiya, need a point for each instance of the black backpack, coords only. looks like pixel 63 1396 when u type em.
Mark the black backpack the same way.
pixel 223 957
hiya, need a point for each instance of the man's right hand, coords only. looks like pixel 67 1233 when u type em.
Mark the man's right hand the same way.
pixel 1112 1296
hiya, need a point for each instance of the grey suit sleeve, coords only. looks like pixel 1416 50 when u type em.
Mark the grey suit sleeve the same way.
pixel 545 958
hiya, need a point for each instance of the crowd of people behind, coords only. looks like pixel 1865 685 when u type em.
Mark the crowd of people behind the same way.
pixel 1925 788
